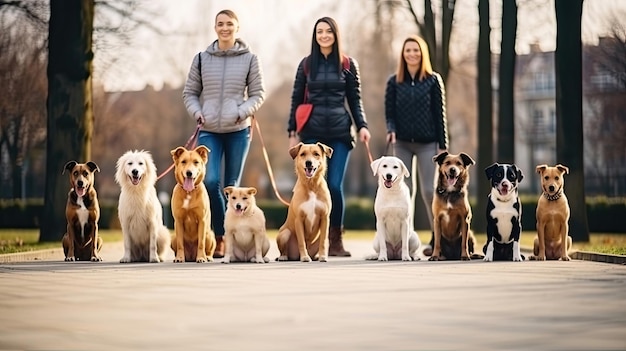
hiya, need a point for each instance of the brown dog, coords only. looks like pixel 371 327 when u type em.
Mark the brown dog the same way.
pixel 82 211
pixel 194 240
pixel 552 241
pixel 244 223
pixel 452 213
pixel 308 216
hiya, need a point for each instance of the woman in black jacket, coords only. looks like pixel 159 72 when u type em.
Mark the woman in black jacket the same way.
pixel 329 79
pixel 415 110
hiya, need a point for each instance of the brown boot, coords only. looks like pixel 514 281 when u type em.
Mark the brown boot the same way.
pixel 336 243
pixel 219 247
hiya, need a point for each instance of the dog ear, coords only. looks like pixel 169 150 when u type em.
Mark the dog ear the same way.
pixel 293 151
pixel 467 160
pixel 228 190
pixel 93 166
pixel 440 157
pixel 203 151
pixel 519 173
pixel 405 170
pixel 68 166
pixel 251 191
pixel 177 152
pixel 562 168
pixel 541 168
pixel 374 165
pixel 327 149
pixel 489 170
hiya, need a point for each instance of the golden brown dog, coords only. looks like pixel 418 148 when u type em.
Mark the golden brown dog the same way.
pixel 305 232
pixel 552 241
pixel 452 213
pixel 194 240
pixel 244 224
pixel 82 211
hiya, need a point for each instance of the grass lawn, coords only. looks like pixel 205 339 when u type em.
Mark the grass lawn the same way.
pixel 18 240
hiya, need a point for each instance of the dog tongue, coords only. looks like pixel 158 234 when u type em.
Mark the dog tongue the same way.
pixel 388 183
pixel 80 192
pixel 188 184
pixel 451 181
pixel 504 191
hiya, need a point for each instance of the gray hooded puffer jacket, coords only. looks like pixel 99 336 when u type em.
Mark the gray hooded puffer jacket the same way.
pixel 231 88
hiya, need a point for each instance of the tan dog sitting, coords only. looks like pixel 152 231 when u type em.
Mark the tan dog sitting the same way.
pixel 552 241
pixel 244 224
pixel 452 213
pixel 81 242
pixel 194 240
pixel 305 232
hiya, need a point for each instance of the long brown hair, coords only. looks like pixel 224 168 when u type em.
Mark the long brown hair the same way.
pixel 425 70
pixel 315 47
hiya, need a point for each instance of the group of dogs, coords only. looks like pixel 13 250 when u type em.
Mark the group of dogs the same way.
pixel 304 235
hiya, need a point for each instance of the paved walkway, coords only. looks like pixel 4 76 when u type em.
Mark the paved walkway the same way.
pixel 344 304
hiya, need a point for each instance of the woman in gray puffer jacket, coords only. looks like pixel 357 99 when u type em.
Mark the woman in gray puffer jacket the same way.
pixel 224 87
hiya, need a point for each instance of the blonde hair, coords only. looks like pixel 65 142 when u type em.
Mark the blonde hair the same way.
pixel 425 70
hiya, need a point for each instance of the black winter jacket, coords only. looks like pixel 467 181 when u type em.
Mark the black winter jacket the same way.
pixel 416 110
pixel 328 92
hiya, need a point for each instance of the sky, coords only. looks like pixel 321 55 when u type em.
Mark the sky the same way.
pixel 279 32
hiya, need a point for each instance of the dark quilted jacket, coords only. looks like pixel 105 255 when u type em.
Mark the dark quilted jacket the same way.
pixel 328 92
pixel 416 110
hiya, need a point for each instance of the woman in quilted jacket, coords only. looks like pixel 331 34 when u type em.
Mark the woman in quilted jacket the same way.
pixel 415 110
pixel 224 88
pixel 328 79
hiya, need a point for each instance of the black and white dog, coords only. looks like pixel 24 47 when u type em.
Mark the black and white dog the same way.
pixel 504 212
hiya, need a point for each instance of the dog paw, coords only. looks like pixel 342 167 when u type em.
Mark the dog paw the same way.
pixel 125 259
pixel 382 258
pixel 305 258
pixel 282 258
pixel 540 258
pixel 488 258
pixel 406 258
pixel 201 260
pixel 565 258
pixel 226 259
pixel 465 258
pixel 178 259
pixel 323 259
pixel 154 260
pixel 434 258
pixel 95 259
pixel 258 259
pixel 70 259
pixel 416 258
pixel 517 258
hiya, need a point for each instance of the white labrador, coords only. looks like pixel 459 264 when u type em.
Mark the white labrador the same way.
pixel 395 238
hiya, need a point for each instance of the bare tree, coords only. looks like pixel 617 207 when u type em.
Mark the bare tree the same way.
pixel 506 104
pixel 485 113
pixel 569 116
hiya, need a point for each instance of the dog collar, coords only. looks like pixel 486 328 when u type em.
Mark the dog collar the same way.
pixel 553 197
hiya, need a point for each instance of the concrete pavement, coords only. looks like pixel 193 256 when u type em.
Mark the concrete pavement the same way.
pixel 344 304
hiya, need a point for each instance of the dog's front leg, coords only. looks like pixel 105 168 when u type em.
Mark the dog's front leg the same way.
pixel 70 246
pixel 229 243
pixel 517 232
pixel 154 256
pixel 437 239
pixel 405 241
pixel 304 254
pixel 259 239
pixel 564 241
pixel 202 230
pixel 541 238
pixel 94 244
pixel 382 241
pixel 180 244
pixel 324 228
pixel 464 240
pixel 127 242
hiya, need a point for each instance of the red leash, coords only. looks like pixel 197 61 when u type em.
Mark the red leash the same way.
pixel 191 143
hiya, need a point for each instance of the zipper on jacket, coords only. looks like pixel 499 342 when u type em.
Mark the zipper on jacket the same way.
pixel 219 111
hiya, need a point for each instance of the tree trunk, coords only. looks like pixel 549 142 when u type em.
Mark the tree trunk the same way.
pixel 485 116
pixel 446 30
pixel 70 115
pixel 506 102
pixel 429 33
pixel 569 116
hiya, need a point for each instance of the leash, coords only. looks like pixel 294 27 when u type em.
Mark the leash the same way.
pixel 267 162
pixel 369 152
pixel 191 143
pixel 392 147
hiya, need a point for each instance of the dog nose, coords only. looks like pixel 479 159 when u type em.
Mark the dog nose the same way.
pixel 452 171
pixel 80 183
pixel 238 206
pixel 188 174
pixel 308 164
pixel 551 187
pixel 388 176
pixel 135 172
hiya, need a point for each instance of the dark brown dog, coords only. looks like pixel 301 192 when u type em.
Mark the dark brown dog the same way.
pixel 552 241
pixel 81 242
pixel 452 213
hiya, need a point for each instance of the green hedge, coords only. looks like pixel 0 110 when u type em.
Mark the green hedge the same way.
pixel 603 214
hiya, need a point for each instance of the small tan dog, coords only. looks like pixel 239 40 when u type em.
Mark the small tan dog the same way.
pixel 81 242
pixel 244 224
pixel 305 232
pixel 194 239
pixel 452 213
pixel 552 241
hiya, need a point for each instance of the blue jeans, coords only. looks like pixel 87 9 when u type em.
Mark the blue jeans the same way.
pixel 232 149
pixel 334 177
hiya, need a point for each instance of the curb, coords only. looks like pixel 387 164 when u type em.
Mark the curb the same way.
pixel 37 255
pixel 598 257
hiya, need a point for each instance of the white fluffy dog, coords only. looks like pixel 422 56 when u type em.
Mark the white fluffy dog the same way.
pixel 395 238
pixel 139 209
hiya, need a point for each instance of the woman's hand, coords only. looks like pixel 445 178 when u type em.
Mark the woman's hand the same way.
pixel 293 140
pixel 391 137
pixel 199 118
pixel 364 135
